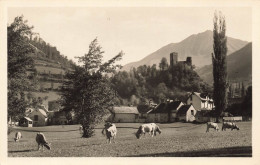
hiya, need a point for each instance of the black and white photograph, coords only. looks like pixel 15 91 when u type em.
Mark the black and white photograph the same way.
pixel 132 81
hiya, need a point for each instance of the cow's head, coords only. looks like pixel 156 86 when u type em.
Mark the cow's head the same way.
pixel 236 127
pixel 48 146
pixel 158 130
pixel 139 133
pixel 217 128
pixel 108 124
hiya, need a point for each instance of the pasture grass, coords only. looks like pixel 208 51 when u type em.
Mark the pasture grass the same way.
pixel 177 139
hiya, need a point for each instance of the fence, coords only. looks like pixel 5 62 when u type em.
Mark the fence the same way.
pixel 235 118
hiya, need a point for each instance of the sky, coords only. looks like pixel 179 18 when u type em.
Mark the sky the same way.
pixel 137 31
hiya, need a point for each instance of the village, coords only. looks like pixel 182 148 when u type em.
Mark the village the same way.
pixel 199 107
pixel 188 98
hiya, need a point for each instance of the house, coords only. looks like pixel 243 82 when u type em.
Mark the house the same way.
pixel 186 113
pixel 25 122
pixel 164 112
pixel 144 110
pixel 124 114
pixel 200 101
pixel 39 117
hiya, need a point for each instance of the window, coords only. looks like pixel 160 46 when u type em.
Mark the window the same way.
pixel 30 122
pixel 192 112
pixel 35 117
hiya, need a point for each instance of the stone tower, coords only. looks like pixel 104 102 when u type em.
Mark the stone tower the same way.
pixel 173 58
pixel 189 61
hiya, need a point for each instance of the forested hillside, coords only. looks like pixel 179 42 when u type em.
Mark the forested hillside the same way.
pixel 148 82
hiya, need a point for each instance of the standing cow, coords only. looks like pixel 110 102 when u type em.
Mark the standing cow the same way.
pixel 212 125
pixel 151 128
pixel 41 140
pixel 80 129
pixel 229 125
pixel 110 131
pixel 18 136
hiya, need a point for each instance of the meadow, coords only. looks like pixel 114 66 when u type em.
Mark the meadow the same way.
pixel 177 140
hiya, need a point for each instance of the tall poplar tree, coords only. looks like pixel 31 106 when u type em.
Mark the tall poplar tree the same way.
pixel 219 63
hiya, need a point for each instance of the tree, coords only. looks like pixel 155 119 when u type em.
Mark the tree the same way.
pixel 19 61
pixel 219 63
pixel 163 64
pixel 247 103
pixel 87 91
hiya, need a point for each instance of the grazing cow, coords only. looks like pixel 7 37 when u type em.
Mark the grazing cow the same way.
pixel 110 131
pixel 18 136
pixel 212 125
pixel 151 128
pixel 229 125
pixel 80 129
pixel 41 140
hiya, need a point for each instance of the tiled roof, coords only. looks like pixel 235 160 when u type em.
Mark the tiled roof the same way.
pixel 183 109
pixel 166 107
pixel 125 109
pixel 27 118
pixel 42 112
pixel 203 96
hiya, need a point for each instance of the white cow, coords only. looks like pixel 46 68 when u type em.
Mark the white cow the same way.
pixel 212 125
pixel 229 125
pixel 18 136
pixel 80 129
pixel 110 131
pixel 41 140
pixel 151 128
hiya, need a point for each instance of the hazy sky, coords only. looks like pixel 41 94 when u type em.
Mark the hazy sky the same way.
pixel 138 31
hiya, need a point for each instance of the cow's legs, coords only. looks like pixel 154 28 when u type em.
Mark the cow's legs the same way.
pixel 38 147
pixel 152 133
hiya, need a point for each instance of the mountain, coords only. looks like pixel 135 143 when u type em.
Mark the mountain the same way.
pixel 198 46
pixel 239 66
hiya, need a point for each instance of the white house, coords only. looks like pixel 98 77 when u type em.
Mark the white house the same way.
pixel 186 113
pixel 39 117
pixel 124 114
pixel 200 101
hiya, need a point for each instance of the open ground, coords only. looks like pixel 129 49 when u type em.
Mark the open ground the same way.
pixel 177 140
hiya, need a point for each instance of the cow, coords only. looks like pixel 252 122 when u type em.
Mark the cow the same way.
pixel 41 140
pixel 229 125
pixel 151 128
pixel 212 125
pixel 110 131
pixel 18 136
pixel 80 129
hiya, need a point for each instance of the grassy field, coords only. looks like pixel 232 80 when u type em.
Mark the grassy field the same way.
pixel 177 139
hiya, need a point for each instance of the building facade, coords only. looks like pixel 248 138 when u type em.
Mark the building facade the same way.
pixel 200 101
